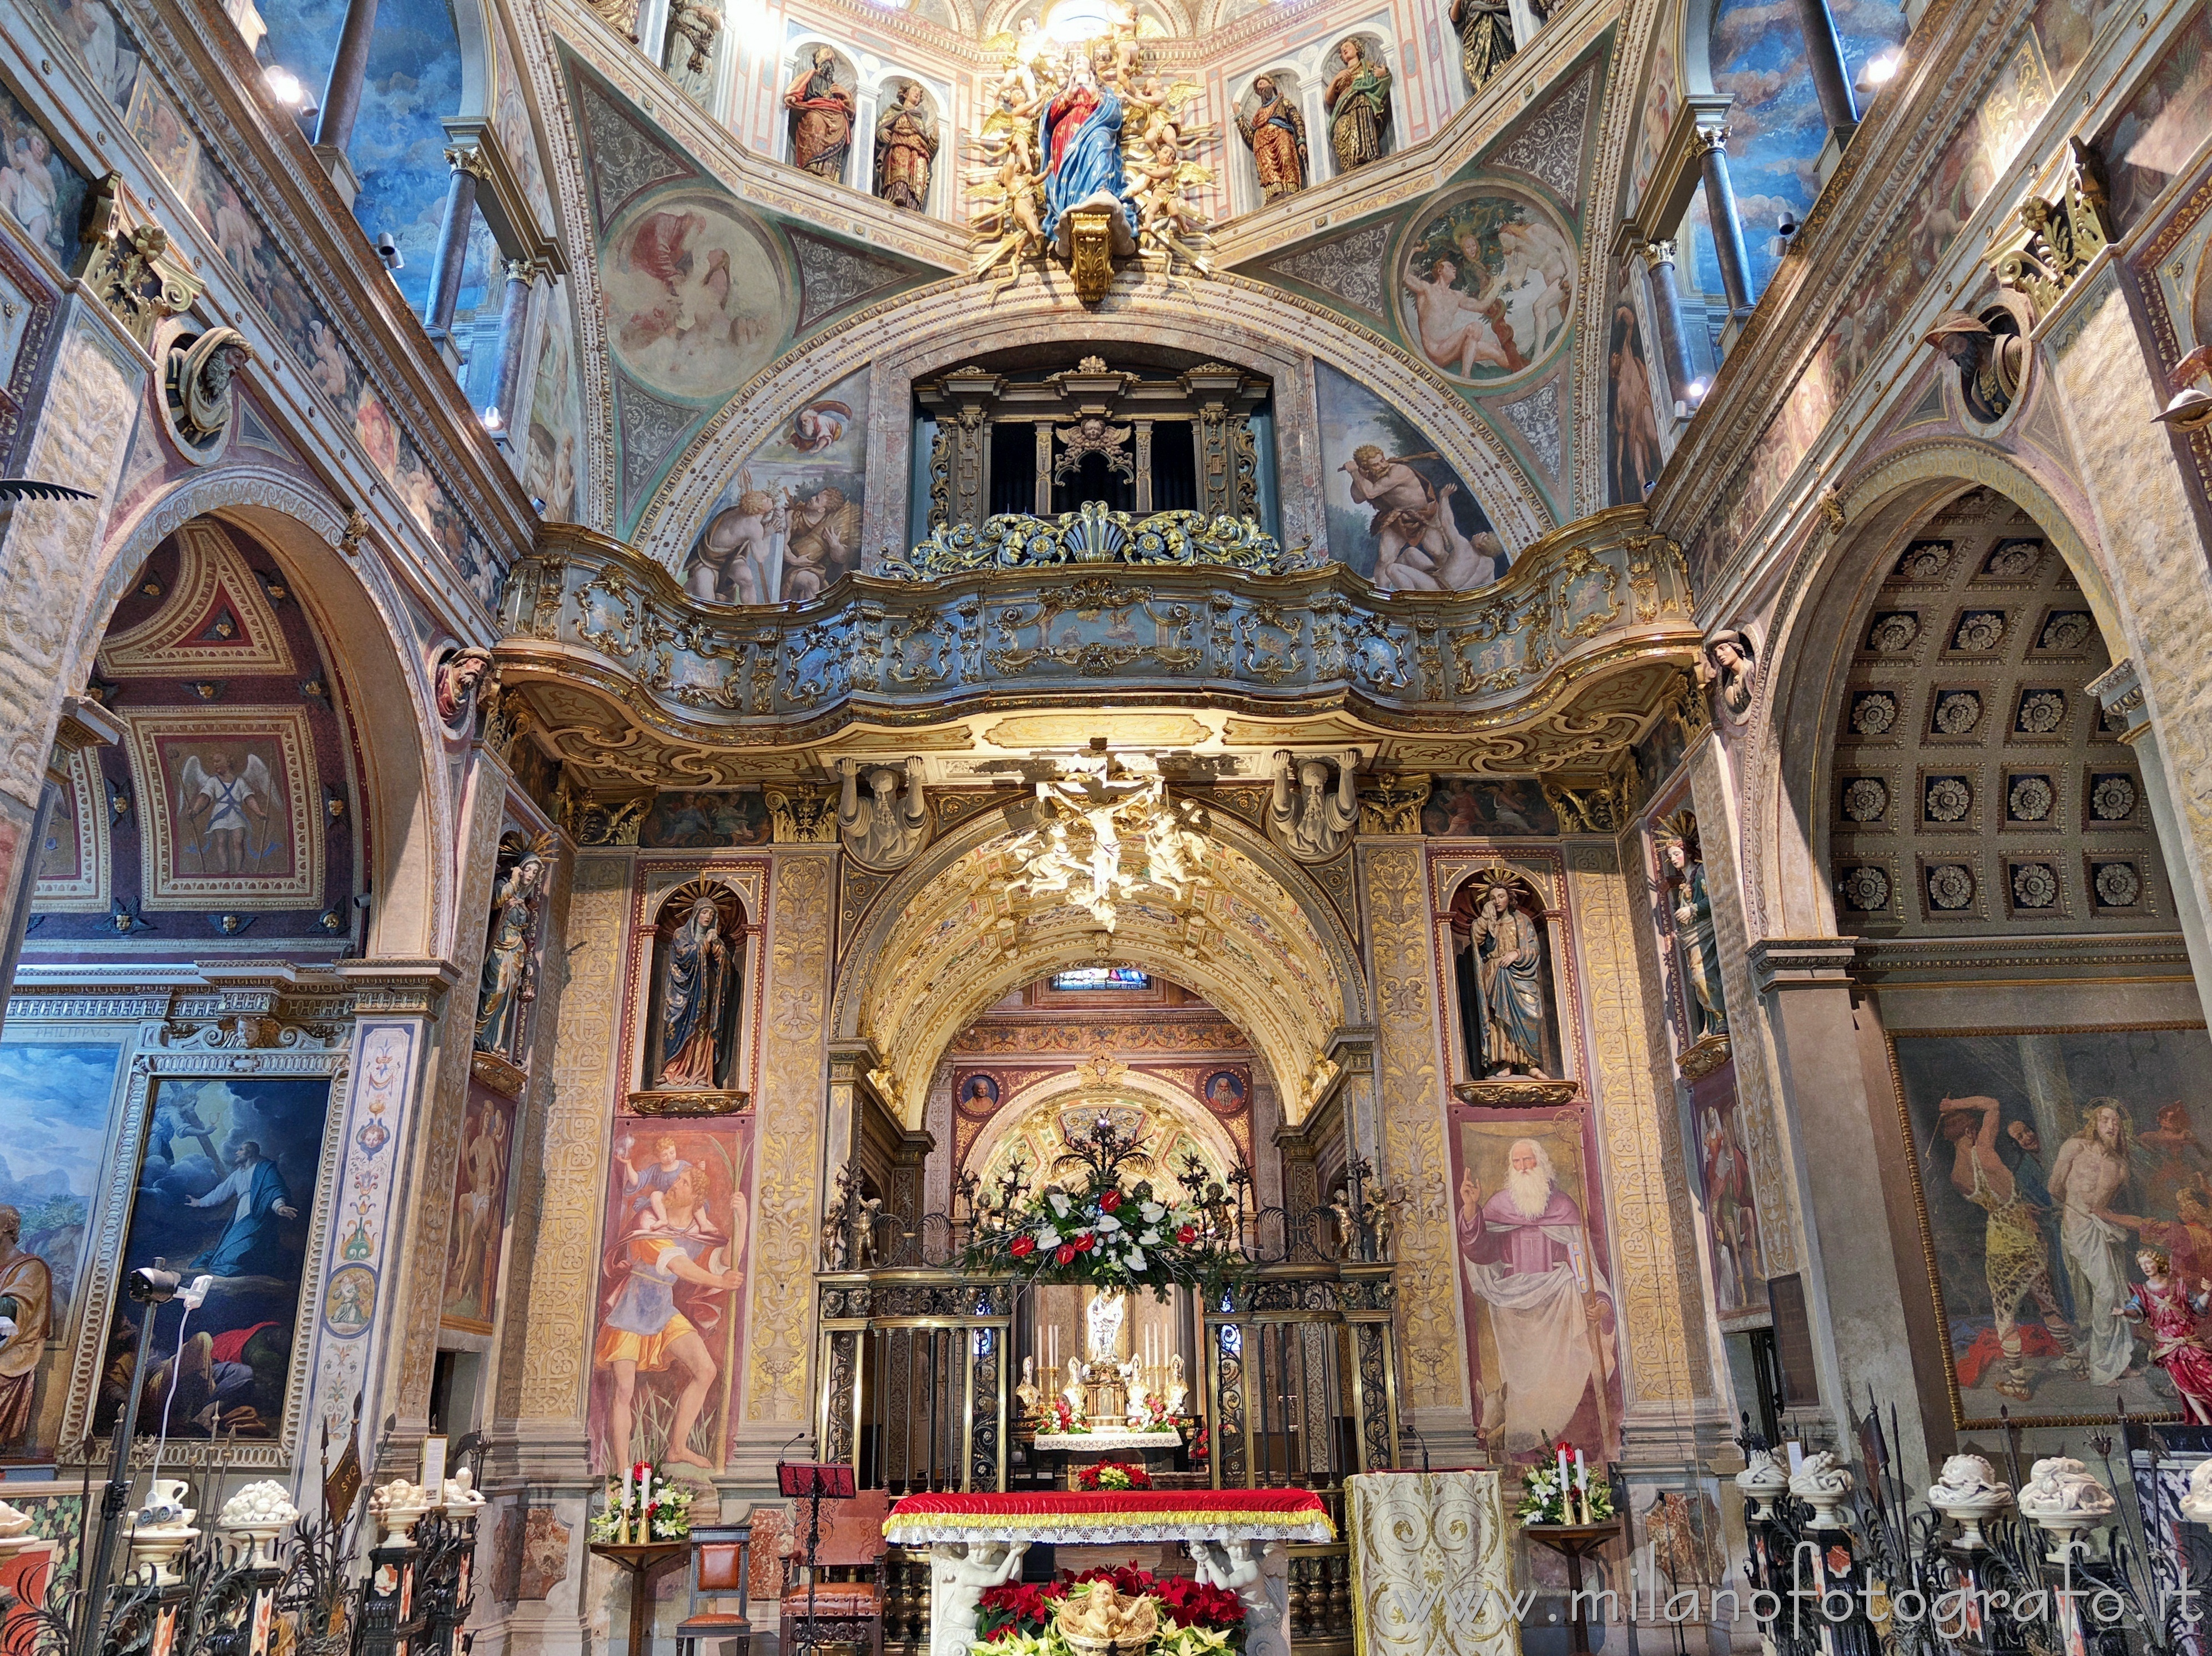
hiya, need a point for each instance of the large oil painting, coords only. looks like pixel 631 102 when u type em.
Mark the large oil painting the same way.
pixel 2159 132
pixel 1398 511
pixel 788 523
pixel 668 1318
pixel 1488 807
pixel 226 1189
pixel 2049 1160
pixel 1632 457
pixel 39 191
pixel 478 1226
pixel 1541 1316
pixel 1486 283
pixel 1731 1207
pixel 55 1101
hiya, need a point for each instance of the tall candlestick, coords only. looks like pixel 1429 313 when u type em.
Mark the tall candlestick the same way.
pixel 1567 1507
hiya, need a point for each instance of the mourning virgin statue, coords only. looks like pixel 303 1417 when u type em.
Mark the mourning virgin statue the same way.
pixel 695 1017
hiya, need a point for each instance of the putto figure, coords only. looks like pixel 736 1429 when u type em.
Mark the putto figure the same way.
pixel 821 118
pixel 1275 133
pixel 1359 105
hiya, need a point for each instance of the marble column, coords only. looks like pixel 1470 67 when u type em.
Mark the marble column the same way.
pixel 468 167
pixel 341 96
pixel 513 326
pixel 1824 57
pixel 1726 227
pixel 1666 311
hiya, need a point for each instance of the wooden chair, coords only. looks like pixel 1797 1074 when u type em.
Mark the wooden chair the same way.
pixel 848 1576
pixel 720 1556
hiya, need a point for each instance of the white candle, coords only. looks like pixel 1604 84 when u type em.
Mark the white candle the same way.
pixel 1566 1511
pixel 628 1473
pixel 644 1487
pixel 1581 1474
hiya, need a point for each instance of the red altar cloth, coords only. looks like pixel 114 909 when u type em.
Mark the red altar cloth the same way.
pixel 1075 1518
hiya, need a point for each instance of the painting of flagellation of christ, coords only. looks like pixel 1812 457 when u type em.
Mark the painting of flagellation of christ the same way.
pixel 2049 1162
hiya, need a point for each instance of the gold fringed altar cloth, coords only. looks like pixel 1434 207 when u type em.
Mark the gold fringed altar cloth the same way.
pixel 1431 1565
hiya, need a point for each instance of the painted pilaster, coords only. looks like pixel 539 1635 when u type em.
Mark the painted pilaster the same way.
pixel 1668 1380
pixel 84 724
pixel 360 1325
pixel 789 1154
pixel 1409 1099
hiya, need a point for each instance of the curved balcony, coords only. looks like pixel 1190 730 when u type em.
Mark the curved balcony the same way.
pixel 1557 665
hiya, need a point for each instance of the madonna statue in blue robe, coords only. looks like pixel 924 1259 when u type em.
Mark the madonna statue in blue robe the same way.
pixel 1080 135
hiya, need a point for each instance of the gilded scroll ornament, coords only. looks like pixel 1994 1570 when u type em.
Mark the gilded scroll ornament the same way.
pixel 1094 535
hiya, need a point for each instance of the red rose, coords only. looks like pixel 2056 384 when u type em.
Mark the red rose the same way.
pixel 1065 1253
pixel 1023 1247
pixel 1109 1201
pixel 1187 1235
pixel 1085 1242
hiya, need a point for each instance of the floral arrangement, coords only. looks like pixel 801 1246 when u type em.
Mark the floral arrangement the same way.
pixel 1562 1491
pixel 644 1506
pixel 1114 1475
pixel 1065 1420
pixel 1201 1444
pixel 1020 1619
pixel 1104 1233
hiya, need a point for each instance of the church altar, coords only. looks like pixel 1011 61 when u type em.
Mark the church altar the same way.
pixel 1238 1537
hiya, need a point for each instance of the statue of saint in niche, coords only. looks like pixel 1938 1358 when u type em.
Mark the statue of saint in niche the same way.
pixel 695 1017
pixel 1485 39
pixel 906 149
pixel 821 118
pixel 509 983
pixel 1682 866
pixel 1357 101
pixel 1498 942
pixel 1275 133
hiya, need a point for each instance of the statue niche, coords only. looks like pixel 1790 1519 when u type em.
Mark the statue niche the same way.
pixel 693 1002
pixel 509 981
pixel 1508 1013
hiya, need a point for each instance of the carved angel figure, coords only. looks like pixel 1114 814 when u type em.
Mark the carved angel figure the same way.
pixel 1167 221
pixel 1005 187
pixel 225 803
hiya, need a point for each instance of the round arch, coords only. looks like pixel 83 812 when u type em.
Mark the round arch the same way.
pixel 1784 829
pixel 357 612
pixel 1266 329
pixel 1260 942
pixel 1067 1090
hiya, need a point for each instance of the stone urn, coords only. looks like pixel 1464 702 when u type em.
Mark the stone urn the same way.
pixel 1763 1483
pixel 398 1506
pixel 1824 1483
pixel 2062 1499
pixel 159 1530
pixel 259 1515
pixel 1968 1491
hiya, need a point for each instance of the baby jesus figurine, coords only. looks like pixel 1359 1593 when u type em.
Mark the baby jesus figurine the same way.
pixel 2169 1314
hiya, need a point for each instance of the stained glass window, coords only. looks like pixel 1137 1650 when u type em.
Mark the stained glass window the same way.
pixel 1101 977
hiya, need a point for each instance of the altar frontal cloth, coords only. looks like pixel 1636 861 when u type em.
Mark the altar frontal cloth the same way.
pixel 1075 1518
pixel 1431 1571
